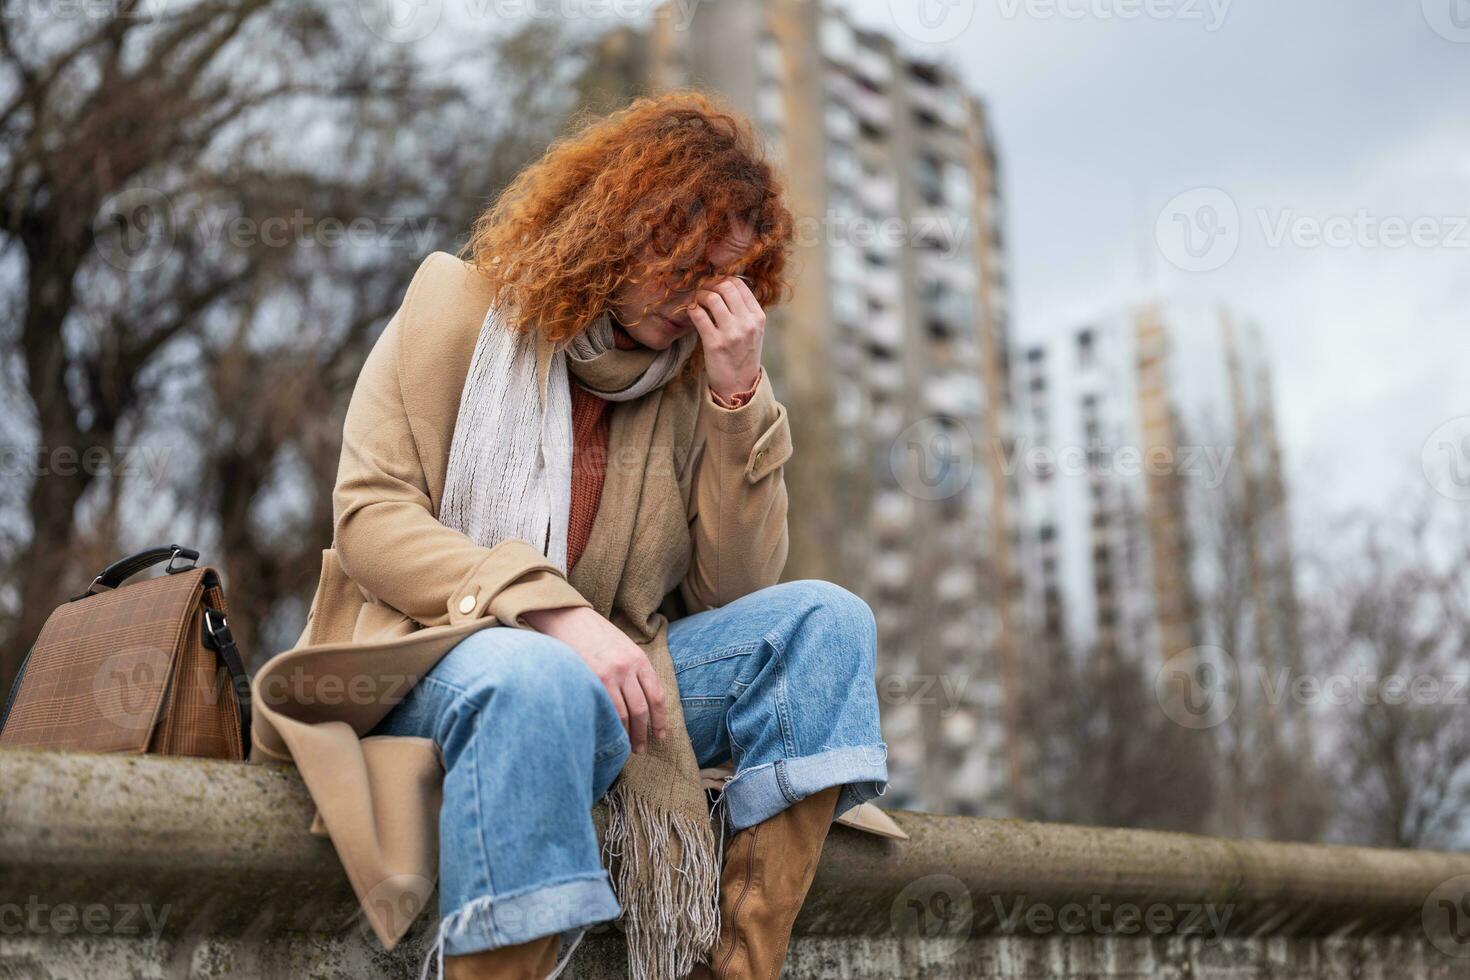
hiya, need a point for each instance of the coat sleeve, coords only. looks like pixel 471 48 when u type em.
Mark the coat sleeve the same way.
pixel 737 502
pixel 387 537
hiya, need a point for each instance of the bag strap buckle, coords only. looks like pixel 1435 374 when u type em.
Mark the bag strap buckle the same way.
pixel 189 556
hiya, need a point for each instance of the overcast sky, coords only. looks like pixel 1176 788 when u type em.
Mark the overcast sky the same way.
pixel 1299 111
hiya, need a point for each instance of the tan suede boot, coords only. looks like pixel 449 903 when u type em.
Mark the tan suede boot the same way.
pixel 768 869
pixel 529 961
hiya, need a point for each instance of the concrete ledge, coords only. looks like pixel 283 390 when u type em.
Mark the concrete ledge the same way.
pixel 221 856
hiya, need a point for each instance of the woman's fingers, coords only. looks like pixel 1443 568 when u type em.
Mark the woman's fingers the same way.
pixel 637 704
pixel 703 323
pixel 729 291
pixel 715 305
pixel 658 716
pixel 621 706
pixel 749 294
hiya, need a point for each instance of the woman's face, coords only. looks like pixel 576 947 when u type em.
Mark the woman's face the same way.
pixel 667 317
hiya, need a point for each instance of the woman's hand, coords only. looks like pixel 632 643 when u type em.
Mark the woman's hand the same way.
pixel 731 327
pixel 617 661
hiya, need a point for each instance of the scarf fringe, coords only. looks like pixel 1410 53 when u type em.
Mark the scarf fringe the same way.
pixel 671 906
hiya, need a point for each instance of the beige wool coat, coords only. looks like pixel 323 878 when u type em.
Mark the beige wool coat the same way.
pixel 398 589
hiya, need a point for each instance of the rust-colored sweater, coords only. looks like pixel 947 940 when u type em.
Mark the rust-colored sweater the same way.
pixel 590 428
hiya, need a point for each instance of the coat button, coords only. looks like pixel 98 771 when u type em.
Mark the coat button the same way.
pixel 467 605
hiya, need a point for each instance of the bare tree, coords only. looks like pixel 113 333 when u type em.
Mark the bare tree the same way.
pixel 1104 750
pixel 1245 569
pixel 1391 628
pixel 209 209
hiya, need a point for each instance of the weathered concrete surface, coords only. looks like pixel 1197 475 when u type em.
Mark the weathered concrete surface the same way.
pixel 154 868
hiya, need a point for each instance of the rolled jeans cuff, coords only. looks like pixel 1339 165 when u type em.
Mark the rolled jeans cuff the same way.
pixel 762 791
pixel 509 920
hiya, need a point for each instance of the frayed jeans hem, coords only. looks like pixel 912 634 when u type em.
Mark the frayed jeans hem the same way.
pixel 495 921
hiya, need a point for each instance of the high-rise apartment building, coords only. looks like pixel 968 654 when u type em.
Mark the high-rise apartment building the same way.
pixel 1154 516
pixel 891 355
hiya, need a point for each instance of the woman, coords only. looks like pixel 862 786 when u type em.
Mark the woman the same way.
pixel 560 516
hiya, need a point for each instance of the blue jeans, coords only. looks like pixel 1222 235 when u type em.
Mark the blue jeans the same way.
pixel 781 682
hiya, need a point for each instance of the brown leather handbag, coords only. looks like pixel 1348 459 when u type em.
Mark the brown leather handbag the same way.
pixel 148 666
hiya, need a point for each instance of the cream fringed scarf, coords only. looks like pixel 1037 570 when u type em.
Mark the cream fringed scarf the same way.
pixel 509 476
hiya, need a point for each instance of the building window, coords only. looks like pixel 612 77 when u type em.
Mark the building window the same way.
pixel 926 72
pixel 1086 348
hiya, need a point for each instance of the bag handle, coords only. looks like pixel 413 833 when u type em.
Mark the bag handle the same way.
pixel 113 575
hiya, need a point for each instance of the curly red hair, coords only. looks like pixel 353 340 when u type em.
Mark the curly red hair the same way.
pixel 640 194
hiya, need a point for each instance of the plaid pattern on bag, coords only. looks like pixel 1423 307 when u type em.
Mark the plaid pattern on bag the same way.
pixel 139 668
